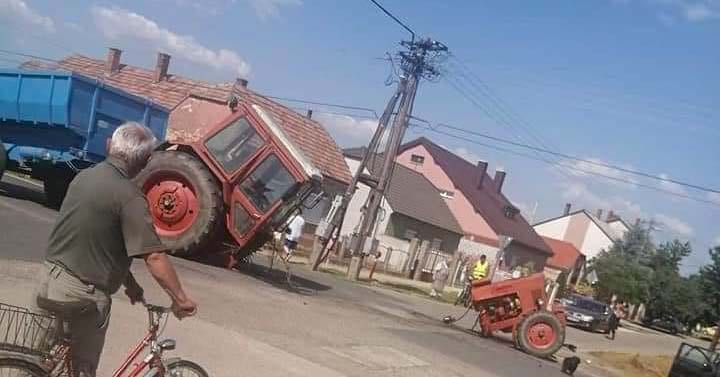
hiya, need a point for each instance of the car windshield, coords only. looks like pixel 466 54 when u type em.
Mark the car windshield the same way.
pixel 586 304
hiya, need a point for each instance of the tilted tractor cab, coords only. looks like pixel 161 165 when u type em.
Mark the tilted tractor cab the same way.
pixel 232 182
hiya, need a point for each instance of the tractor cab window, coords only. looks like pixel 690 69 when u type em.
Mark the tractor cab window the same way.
pixel 269 182
pixel 234 145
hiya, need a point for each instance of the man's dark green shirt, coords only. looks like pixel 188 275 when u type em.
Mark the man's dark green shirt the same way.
pixel 104 221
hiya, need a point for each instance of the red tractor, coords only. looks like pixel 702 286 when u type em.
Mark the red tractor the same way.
pixel 520 306
pixel 226 175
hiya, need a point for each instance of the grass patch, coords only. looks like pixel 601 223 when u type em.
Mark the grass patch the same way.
pixel 635 365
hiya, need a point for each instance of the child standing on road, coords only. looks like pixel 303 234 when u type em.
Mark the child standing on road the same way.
pixel 293 233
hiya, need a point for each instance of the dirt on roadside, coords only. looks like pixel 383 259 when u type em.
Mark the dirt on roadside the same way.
pixel 634 365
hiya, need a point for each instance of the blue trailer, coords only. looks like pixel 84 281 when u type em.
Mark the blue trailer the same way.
pixel 56 123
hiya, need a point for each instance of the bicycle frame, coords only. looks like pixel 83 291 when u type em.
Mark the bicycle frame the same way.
pixel 152 359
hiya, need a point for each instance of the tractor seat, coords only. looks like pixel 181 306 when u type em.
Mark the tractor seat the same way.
pixel 67 309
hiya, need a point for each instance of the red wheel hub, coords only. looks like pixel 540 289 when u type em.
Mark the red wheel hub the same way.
pixel 173 204
pixel 541 335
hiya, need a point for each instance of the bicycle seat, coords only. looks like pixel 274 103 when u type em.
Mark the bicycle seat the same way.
pixel 67 309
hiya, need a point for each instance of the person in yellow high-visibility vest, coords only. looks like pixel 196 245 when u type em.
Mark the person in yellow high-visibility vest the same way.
pixel 480 270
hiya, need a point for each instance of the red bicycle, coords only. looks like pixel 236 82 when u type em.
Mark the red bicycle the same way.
pixel 37 345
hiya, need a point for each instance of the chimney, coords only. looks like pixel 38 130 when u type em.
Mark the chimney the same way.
pixel 309 114
pixel 599 213
pixel 499 179
pixel 568 206
pixel 161 67
pixel 241 82
pixel 637 222
pixel 112 64
pixel 482 167
pixel 610 216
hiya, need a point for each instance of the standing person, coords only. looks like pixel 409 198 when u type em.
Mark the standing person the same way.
pixel 103 223
pixel 480 270
pixel 292 235
pixel 440 275
pixel 613 322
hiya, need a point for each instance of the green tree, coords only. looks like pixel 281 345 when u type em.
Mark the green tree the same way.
pixel 622 269
pixel 709 281
pixel 667 291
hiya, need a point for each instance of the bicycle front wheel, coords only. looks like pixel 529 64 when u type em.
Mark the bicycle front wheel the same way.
pixel 14 367
pixel 183 368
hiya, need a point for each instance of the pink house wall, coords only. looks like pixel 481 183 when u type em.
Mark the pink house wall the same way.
pixel 474 225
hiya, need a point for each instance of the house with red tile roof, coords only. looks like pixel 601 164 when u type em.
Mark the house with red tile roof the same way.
pixel 566 258
pixel 195 104
pixel 587 231
pixel 477 201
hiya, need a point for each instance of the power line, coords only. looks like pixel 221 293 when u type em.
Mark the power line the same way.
pixel 617 179
pixel 412 33
pixel 575 158
pixel 474 133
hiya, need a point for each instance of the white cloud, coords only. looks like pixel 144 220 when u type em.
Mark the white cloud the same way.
pixel 581 196
pixel 116 23
pixel 467 155
pixel 18 12
pixel 701 12
pixel 690 10
pixel 346 130
pixel 266 9
pixel 714 197
pixel 674 225
pixel 73 26
pixel 593 167
pixel 672 187
pixel 716 241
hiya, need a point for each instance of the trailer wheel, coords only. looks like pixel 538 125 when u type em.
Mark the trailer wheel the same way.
pixel 541 334
pixel 185 201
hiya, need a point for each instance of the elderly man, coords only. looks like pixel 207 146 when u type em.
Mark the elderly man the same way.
pixel 104 222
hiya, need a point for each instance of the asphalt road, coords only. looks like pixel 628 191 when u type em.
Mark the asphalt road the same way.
pixel 252 324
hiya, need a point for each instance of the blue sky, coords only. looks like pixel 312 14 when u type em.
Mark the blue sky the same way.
pixel 629 82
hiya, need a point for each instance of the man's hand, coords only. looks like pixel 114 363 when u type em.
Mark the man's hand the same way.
pixel 184 308
pixel 135 293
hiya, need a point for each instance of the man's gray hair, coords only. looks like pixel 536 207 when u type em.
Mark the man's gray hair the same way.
pixel 133 143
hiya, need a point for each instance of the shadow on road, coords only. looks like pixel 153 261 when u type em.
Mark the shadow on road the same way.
pixel 21 192
pixel 278 278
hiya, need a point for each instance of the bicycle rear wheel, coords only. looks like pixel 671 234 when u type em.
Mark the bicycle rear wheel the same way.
pixel 14 367
pixel 183 368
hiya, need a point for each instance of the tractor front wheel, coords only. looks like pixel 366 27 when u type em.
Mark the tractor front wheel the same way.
pixel 185 201
pixel 541 334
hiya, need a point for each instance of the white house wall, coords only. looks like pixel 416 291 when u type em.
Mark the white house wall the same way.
pixel 595 241
pixel 554 229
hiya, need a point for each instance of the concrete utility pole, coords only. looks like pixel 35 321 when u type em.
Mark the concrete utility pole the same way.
pixel 417 62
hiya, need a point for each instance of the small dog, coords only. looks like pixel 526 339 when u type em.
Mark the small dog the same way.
pixel 570 364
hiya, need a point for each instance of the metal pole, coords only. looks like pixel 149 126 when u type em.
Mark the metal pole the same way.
pixel 374 201
pixel 337 220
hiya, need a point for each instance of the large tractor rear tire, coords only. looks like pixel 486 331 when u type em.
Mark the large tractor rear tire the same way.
pixel 541 334
pixel 185 201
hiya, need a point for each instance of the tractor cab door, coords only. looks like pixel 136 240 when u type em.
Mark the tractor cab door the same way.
pixel 258 174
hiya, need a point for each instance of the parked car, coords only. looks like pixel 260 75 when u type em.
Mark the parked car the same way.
pixel 586 313
pixel 668 324
pixel 694 361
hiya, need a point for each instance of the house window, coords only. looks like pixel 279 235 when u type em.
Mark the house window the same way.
pixel 409 234
pixel 447 194
pixel 417 159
